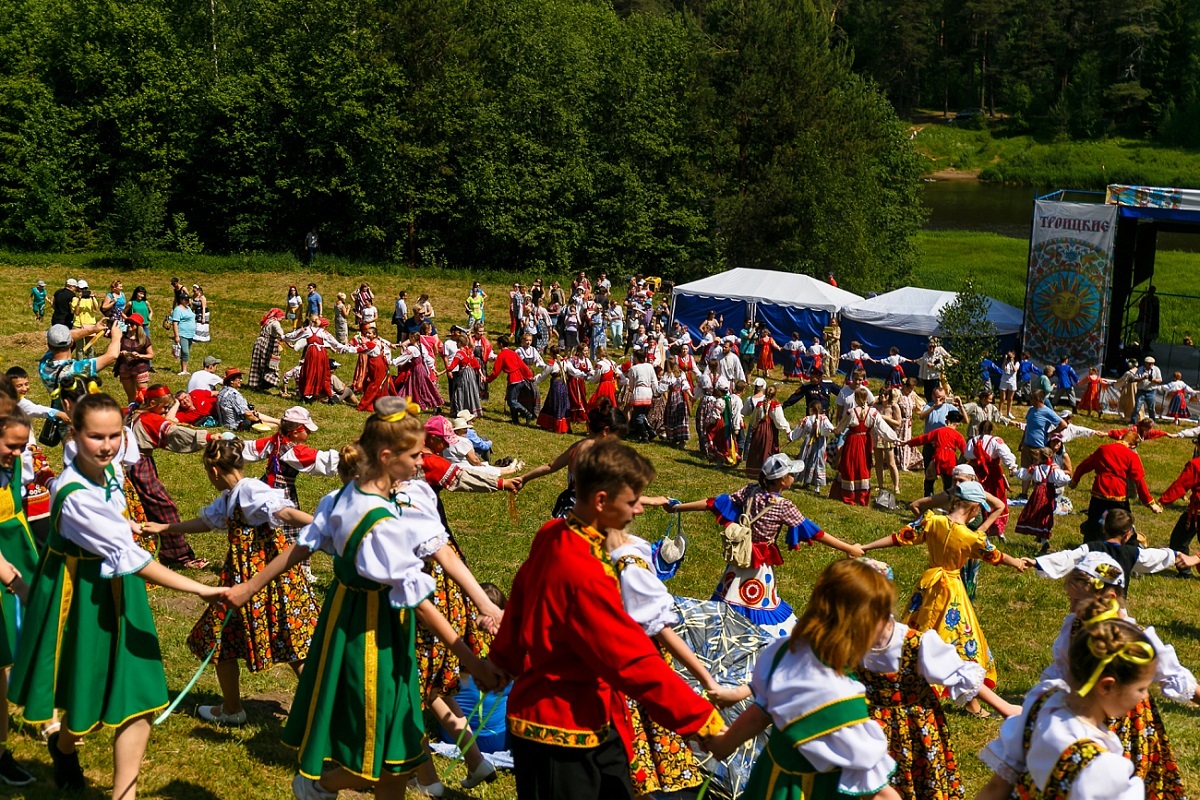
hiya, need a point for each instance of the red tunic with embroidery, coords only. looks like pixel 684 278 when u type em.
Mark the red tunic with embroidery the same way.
pixel 574 651
pixel 948 445
pixel 1116 465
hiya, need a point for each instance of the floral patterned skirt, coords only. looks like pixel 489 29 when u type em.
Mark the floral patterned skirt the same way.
pixel 662 760
pixel 919 741
pixel 277 625
pixel 1145 740
pixel 437 666
pixel 133 502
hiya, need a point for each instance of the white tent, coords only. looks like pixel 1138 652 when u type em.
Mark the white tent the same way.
pixel 785 301
pixel 907 317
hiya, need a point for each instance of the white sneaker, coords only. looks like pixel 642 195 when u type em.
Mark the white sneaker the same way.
pixel 184 373
pixel 308 789
pixel 217 714
pixel 435 789
pixel 484 773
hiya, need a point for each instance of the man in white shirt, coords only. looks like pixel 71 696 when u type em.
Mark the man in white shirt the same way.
pixel 643 385
pixel 845 397
pixel 206 378
pixel 1148 380
pixel 730 365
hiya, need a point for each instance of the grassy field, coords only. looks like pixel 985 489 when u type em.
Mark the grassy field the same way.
pixel 1000 156
pixel 190 759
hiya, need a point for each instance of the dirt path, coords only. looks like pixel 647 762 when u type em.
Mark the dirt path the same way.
pixel 954 175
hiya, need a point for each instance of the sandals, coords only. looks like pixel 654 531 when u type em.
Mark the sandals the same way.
pixel 194 563
pixel 982 713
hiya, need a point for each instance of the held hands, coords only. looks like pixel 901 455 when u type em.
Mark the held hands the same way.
pixel 1182 560
pixel 855 551
pixel 726 696
pixel 488 677
pixel 1029 562
pixel 214 595
pixel 152 528
pixel 1023 564
pixel 1156 508
pixel 511 484
pixel 721 745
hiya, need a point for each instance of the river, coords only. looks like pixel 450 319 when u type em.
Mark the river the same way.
pixel 1007 210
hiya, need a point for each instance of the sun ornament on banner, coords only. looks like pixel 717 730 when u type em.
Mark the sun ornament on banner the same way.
pixel 1070 268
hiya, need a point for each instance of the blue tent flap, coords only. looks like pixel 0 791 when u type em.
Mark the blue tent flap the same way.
pixel 782 320
pixel 691 310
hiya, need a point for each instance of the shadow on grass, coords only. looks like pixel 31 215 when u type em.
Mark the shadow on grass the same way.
pixel 186 790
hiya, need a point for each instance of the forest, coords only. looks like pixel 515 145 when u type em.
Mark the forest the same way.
pixel 506 134
pixel 661 136
pixel 1078 69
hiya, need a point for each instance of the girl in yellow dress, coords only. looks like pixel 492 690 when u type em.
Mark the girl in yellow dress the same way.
pixel 940 601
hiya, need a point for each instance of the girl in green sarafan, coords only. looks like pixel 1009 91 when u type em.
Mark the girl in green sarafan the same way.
pixel 824 744
pixel 89 645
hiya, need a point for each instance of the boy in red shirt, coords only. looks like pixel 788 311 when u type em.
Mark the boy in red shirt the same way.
pixel 518 372
pixel 948 445
pixel 575 653
pixel 1117 467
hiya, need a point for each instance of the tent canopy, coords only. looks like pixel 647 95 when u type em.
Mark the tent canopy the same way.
pixel 906 318
pixel 916 311
pixel 769 286
pixel 784 301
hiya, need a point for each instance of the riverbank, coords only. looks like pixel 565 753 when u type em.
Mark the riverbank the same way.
pixel 958 153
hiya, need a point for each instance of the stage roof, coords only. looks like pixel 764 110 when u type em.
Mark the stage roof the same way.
pixel 1155 202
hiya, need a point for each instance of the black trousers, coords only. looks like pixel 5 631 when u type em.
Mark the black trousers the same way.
pixel 549 772
pixel 1186 529
pixel 1092 528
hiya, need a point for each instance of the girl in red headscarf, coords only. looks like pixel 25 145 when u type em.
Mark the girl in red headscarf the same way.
pixel 376 381
pixel 268 347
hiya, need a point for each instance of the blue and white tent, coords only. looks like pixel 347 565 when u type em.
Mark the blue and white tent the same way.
pixel 785 301
pixel 906 318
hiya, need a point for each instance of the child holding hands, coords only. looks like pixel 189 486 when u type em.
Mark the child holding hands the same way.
pixel 89 644
pixel 824 743
pixel 284 616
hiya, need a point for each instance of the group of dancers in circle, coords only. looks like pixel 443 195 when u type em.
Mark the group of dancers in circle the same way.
pixel 852 696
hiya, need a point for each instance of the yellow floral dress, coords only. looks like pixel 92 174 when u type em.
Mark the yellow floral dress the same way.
pixel 940 601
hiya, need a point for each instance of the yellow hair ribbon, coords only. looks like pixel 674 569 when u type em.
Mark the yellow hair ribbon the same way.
pixel 1139 653
pixel 93 387
pixel 1112 612
pixel 411 408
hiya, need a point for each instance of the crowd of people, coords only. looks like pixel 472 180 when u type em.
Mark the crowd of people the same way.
pixel 585 637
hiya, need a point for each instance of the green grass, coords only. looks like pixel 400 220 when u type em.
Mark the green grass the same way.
pixel 1023 159
pixel 191 759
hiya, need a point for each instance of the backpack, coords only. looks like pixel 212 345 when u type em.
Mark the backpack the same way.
pixel 737 536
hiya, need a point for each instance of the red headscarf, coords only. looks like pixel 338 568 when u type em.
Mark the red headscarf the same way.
pixel 274 313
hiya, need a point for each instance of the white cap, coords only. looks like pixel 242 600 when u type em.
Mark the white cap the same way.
pixel 72 282
pixel 300 415
pixel 1102 567
pixel 965 469
pixel 779 465
pixel 759 383
pixel 81 283
pixel 722 384
pixel 1148 360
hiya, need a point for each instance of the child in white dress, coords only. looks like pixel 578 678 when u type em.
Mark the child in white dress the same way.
pixel 1060 746
pixel 824 743
pixel 662 760
pixel 813 433
pixel 1099 577
pixel 899 672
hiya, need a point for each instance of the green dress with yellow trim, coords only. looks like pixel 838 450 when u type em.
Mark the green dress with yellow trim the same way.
pixel 18 548
pixel 824 744
pixel 358 702
pixel 89 645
